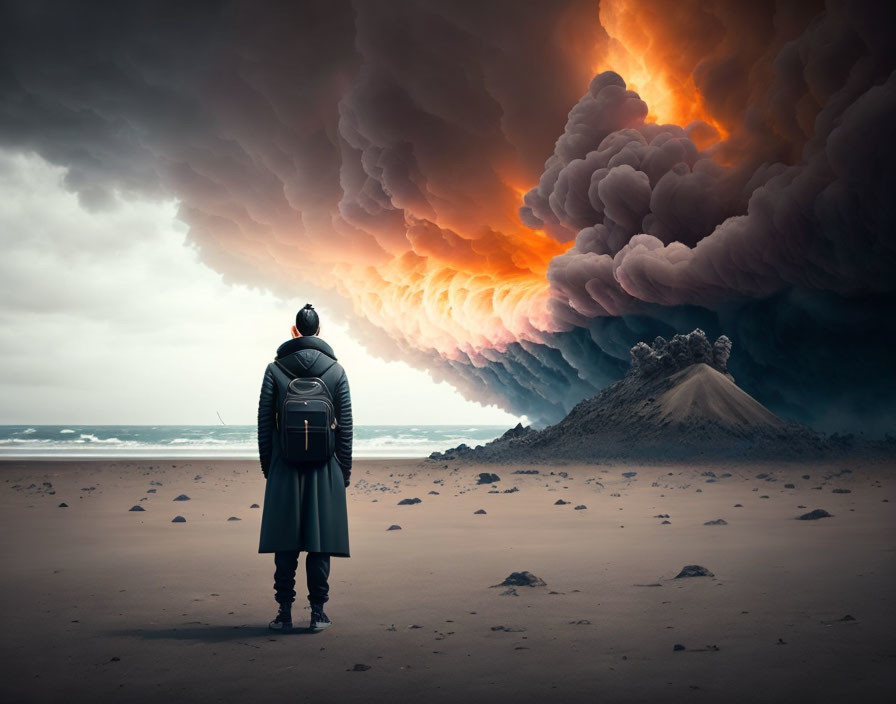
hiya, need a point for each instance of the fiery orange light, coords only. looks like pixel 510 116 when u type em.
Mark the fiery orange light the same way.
pixel 653 68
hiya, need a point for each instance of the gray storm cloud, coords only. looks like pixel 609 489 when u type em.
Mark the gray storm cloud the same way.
pixel 354 127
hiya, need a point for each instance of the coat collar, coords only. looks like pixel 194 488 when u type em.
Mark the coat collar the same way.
pixel 305 342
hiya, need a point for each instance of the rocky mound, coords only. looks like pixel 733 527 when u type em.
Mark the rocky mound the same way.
pixel 677 401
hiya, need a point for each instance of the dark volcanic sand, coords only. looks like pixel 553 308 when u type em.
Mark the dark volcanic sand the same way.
pixel 102 604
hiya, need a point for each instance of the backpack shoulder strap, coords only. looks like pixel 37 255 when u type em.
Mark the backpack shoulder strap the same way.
pixel 286 376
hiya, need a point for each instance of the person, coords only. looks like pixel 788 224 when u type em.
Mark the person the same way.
pixel 304 508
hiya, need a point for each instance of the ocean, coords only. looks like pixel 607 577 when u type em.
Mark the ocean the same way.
pixel 221 441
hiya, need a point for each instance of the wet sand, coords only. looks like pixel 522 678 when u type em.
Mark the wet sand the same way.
pixel 100 603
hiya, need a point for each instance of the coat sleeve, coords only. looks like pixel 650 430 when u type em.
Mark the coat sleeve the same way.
pixel 344 433
pixel 266 404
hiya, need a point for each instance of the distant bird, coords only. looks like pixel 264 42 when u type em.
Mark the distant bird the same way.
pixel 220 418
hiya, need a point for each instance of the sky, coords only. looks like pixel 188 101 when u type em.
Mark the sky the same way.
pixel 504 196
pixel 109 317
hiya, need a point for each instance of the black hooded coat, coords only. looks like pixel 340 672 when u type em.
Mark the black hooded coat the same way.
pixel 305 509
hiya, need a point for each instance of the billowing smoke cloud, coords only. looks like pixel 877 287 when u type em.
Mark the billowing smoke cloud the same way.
pixel 377 155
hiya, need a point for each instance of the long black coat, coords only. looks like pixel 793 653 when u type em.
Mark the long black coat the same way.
pixel 305 509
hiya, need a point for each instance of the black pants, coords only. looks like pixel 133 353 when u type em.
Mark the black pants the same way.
pixel 317 569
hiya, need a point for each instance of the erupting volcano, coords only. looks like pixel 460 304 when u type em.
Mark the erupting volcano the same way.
pixel 511 195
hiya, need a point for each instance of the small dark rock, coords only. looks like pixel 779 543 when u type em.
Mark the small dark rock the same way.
pixel 694 571
pixel 254 506
pixel 560 502
pixel 790 486
pixel 841 491
pixel 178 519
pixel 480 511
pixel 522 579
pixel 394 527
pixel 234 518
pixel 360 667
pixel 629 475
pixel 815 515
pixel 136 508
pixel 487 478
pixel 716 522
pixel 678 646
pixel 580 507
pixel 182 497
pixel 408 502
pixel 63 505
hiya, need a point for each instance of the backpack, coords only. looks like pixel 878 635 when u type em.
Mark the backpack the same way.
pixel 305 420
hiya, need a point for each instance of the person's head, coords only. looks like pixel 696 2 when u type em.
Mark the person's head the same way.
pixel 307 322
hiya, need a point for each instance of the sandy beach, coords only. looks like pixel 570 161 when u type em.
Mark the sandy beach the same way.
pixel 102 603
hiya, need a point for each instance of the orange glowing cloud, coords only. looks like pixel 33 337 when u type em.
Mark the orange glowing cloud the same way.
pixel 646 49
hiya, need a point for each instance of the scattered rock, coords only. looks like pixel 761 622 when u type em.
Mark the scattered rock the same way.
pixel 509 629
pixel 560 502
pixel 360 667
pixel 678 646
pixel 480 511
pixel 254 506
pixel 581 622
pixel 178 519
pixel 63 505
pixel 694 571
pixel 848 618
pixel 434 492
pixel 488 478
pixel 182 497
pixel 580 507
pixel 815 515
pixel 667 523
pixel 408 502
pixel 136 508
pixel 841 491
pixel 151 491
pixel 234 518
pixel 790 486
pixel 629 475
pixel 662 515
pixel 511 490
pixel 525 471
pixel 738 505
pixel 394 527
pixel 716 522
pixel 521 579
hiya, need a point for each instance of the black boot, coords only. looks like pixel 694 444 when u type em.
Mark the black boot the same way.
pixel 319 620
pixel 283 621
